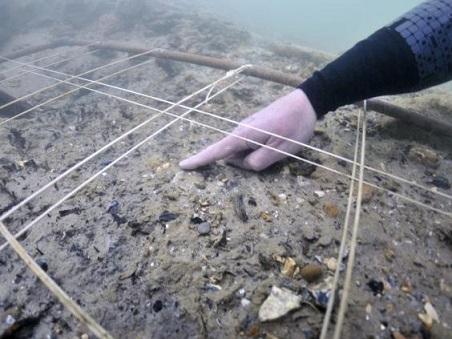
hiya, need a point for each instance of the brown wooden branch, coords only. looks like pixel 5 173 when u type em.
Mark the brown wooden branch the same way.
pixel 377 105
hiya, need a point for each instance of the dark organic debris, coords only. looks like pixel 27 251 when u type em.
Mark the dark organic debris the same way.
pixel 377 287
pixel 12 109
pixel 64 213
pixel 167 216
pixel 322 297
pixel 16 139
pixel 239 207
pixel 299 168
pixel 221 241
pixel 43 264
pixel 267 263
pixel 22 328
pixel 113 208
pixel 196 220
pixel 441 182
pixel 252 202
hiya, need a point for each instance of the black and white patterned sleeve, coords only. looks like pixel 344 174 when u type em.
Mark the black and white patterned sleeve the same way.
pixel 412 53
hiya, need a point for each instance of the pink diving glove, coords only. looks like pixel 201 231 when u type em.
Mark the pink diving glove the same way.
pixel 291 116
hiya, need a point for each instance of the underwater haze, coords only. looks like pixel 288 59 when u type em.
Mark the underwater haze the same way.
pixel 328 25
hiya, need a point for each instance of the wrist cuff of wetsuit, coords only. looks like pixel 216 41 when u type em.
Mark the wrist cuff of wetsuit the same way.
pixel 379 65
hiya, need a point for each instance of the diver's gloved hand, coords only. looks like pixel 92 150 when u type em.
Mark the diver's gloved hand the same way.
pixel 291 116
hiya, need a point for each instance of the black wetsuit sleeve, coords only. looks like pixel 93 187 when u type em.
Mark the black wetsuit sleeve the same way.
pixel 413 53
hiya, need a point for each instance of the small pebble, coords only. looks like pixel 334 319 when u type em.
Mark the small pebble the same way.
pixel 377 287
pixel 10 319
pixel 311 272
pixel 84 336
pixel 319 194
pixel 245 302
pixel 252 202
pixel 158 305
pixel 204 228
pixel 331 209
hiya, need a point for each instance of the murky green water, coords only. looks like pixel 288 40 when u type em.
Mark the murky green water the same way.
pixel 330 25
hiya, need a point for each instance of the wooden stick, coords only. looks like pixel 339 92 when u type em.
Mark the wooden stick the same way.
pixel 282 78
pixel 71 305
pixel 377 105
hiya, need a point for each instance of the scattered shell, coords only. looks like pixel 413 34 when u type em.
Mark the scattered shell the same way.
pixel 200 185
pixel 331 263
pixel 319 194
pixel 280 302
pixel 430 310
pixel 266 216
pixel 274 199
pixel 429 317
pixel 389 254
pixel 289 267
pixel 322 292
pixel 424 155
pixel 406 286
pixel 204 203
pixel 311 272
pixel 245 302
pixel 239 207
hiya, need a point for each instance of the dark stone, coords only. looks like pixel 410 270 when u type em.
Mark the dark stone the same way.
pixel 167 216
pixel 441 182
pixel 377 287
pixel 204 228
pixel 239 208
pixel 64 213
pixel 43 264
pixel 158 306
pixel 196 220
pixel 252 202
pixel 321 298
pixel 304 169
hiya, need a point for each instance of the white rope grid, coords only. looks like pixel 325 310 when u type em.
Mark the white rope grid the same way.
pixel 209 97
pixel 58 292
pixel 58 83
pixel 98 330
pixel 353 242
pixel 395 177
pixel 340 256
pixel 70 170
